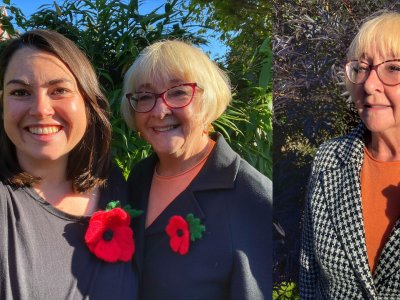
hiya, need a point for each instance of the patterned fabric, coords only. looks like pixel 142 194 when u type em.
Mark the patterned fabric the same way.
pixel 334 262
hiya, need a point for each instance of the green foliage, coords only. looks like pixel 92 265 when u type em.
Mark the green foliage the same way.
pixel 244 23
pixel 247 27
pixel 285 291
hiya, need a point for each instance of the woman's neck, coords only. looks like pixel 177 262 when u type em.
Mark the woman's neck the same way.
pixel 171 165
pixel 53 171
pixel 56 189
pixel 384 147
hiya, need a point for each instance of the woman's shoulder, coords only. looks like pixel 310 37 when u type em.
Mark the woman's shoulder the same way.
pixel 115 187
pixel 6 189
pixel 142 169
pixel 3 193
pixel 254 180
pixel 249 183
pixel 9 193
pixel 335 151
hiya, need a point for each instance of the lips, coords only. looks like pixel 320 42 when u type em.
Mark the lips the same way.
pixel 44 130
pixel 376 106
pixel 165 128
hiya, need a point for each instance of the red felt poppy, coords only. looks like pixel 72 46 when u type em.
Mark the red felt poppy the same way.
pixel 178 231
pixel 109 235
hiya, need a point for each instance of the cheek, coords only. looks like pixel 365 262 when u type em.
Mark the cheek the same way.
pixel 72 110
pixel 356 92
pixel 193 124
pixel 393 94
pixel 12 115
pixel 13 112
pixel 194 116
pixel 139 121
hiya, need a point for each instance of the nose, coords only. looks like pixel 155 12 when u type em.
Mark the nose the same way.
pixel 41 105
pixel 160 109
pixel 373 83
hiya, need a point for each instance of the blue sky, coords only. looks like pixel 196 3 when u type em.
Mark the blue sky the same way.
pixel 215 48
pixel 30 6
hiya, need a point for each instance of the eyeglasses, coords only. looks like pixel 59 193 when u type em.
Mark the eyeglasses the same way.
pixel 388 71
pixel 177 96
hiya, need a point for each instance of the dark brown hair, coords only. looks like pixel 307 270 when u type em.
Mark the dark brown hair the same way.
pixel 89 161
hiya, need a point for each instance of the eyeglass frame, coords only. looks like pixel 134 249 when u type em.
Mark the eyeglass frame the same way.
pixel 161 95
pixel 372 67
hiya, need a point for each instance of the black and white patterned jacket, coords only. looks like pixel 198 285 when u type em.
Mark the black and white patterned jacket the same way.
pixel 334 263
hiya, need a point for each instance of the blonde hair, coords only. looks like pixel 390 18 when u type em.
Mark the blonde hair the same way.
pixel 174 59
pixel 380 33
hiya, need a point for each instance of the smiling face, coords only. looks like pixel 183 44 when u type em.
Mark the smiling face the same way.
pixel 172 132
pixel 44 112
pixel 378 105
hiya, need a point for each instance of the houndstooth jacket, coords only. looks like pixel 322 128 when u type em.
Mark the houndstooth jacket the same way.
pixel 334 263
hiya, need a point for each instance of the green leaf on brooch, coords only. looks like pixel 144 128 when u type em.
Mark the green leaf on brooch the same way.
pixel 132 212
pixel 196 228
pixel 112 204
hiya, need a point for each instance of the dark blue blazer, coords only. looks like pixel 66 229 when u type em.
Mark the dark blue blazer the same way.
pixel 234 257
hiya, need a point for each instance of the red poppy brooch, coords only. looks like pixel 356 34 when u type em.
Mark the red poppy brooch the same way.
pixel 181 231
pixel 109 235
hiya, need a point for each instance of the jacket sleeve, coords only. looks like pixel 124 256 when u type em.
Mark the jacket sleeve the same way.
pixel 309 270
pixel 251 227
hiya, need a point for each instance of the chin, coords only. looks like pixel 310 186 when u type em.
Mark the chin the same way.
pixel 378 128
pixel 46 156
pixel 166 148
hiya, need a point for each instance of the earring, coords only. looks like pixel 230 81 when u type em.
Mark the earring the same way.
pixel 207 129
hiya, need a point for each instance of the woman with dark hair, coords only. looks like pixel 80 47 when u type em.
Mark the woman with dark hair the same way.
pixel 54 174
pixel 206 233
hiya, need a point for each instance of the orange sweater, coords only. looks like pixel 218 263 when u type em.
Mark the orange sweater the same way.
pixel 380 194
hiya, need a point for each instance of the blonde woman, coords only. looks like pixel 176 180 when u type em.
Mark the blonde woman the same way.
pixel 351 246
pixel 206 233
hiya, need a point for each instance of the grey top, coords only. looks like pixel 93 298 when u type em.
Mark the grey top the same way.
pixel 43 254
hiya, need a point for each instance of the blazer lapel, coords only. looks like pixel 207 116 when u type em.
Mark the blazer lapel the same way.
pixel 140 198
pixel 344 203
pixel 184 204
pixel 341 184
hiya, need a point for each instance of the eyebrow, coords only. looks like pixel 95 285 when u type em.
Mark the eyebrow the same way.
pixel 17 81
pixel 150 86
pixel 49 83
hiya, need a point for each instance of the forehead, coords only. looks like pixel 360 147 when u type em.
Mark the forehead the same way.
pixel 158 83
pixel 30 63
pixel 375 54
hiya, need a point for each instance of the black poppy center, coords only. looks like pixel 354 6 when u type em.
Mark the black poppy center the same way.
pixel 108 235
pixel 179 232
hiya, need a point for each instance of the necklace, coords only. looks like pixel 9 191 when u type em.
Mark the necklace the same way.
pixel 206 152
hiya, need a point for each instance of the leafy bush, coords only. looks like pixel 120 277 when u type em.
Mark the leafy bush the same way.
pixel 285 291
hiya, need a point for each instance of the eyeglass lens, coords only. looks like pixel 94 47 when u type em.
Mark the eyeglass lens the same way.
pixel 175 97
pixel 388 72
